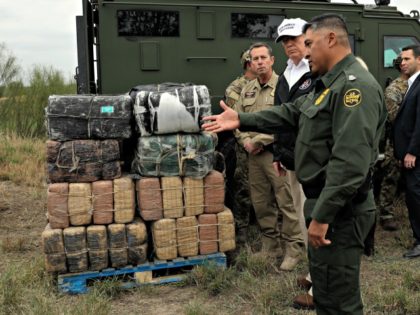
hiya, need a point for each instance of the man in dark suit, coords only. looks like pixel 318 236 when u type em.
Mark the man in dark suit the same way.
pixel 407 141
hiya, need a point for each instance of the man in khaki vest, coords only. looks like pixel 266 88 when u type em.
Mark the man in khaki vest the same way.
pixel 256 96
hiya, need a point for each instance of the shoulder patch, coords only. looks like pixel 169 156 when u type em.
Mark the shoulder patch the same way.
pixel 305 84
pixel 321 97
pixel 249 94
pixel 352 98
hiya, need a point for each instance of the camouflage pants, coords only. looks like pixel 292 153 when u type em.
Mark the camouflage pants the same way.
pixel 389 188
pixel 242 203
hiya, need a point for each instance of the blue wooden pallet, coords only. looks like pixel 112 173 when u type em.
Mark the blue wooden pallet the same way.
pixel 76 283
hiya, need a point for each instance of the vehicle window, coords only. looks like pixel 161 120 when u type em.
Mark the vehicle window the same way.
pixel 255 25
pixel 393 46
pixel 148 23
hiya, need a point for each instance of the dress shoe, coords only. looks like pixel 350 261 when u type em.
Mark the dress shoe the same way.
pixel 289 263
pixel 303 283
pixel 414 252
pixel 304 302
pixel 389 225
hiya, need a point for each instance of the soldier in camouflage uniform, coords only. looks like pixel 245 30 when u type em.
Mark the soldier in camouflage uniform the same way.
pixel 394 95
pixel 242 205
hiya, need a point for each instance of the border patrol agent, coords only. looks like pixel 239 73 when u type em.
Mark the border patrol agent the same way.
pixel 339 126
pixel 264 183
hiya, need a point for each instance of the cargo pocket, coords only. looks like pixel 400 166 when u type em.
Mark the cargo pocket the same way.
pixel 342 280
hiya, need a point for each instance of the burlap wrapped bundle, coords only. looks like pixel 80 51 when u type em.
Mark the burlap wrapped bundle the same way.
pixel 149 198
pixel 187 236
pixel 57 205
pixel 193 196
pixel 137 242
pixel 226 230
pixel 173 206
pixel 75 246
pixel 97 241
pixel 214 192
pixel 83 161
pixel 117 245
pixel 103 201
pixel 53 245
pixel 164 238
pixel 124 200
pixel 80 203
pixel 89 116
pixel 208 233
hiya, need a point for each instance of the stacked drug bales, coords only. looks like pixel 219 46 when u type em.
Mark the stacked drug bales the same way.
pixel 179 192
pixel 90 205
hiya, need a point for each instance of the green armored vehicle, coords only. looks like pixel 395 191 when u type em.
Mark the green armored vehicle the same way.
pixel 124 43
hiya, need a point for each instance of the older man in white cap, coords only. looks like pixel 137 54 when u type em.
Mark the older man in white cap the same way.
pixel 296 80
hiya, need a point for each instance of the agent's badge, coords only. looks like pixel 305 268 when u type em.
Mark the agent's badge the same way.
pixel 352 98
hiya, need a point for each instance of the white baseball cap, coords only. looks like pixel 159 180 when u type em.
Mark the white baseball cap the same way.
pixel 290 27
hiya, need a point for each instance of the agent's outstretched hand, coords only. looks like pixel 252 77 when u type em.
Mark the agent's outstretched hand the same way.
pixel 228 120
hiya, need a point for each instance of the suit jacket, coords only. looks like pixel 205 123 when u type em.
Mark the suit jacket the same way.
pixel 406 130
pixel 284 141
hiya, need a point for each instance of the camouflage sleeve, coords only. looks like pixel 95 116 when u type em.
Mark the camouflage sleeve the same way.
pixel 393 98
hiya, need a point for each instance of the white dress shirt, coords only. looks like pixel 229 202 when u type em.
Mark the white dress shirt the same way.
pixel 411 80
pixel 293 72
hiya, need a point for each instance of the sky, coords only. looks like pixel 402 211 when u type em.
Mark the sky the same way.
pixel 43 32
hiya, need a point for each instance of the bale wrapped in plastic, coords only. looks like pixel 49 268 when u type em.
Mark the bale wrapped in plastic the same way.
pixel 80 203
pixel 83 160
pixel 164 238
pixel 57 205
pixel 97 242
pixel 187 236
pixel 208 233
pixel 149 199
pixel 173 206
pixel 124 200
pixel 76 250
pixel 53 245
pixel 103 201
pixel 171 109
pixel 175 155
pixel 226 230
pixel 89 117
pixel 136 242
pixel 117 245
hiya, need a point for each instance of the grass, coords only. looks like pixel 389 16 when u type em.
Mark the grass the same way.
pixel 22 107
pixel 22 160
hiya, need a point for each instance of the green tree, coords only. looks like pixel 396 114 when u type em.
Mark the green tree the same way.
pixel 9 69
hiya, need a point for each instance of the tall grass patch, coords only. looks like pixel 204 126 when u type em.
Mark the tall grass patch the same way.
pixel 22 107
pixel 22 160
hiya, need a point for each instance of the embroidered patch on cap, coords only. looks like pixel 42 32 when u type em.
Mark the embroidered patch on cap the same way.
pixel 352 97
pixel 249 94
pixel 305 84
pixel 321 97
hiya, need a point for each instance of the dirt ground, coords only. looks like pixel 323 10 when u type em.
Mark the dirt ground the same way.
pixel 23 218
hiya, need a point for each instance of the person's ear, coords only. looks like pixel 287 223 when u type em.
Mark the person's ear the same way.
pixel 332 39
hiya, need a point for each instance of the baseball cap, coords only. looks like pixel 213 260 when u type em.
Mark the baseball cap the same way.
pixel 290 27
pixel 245 57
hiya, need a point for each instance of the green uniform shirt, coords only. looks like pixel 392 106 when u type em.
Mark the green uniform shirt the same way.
pixel 339 126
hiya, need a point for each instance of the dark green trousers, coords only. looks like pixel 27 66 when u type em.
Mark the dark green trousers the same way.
pixel 335 269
